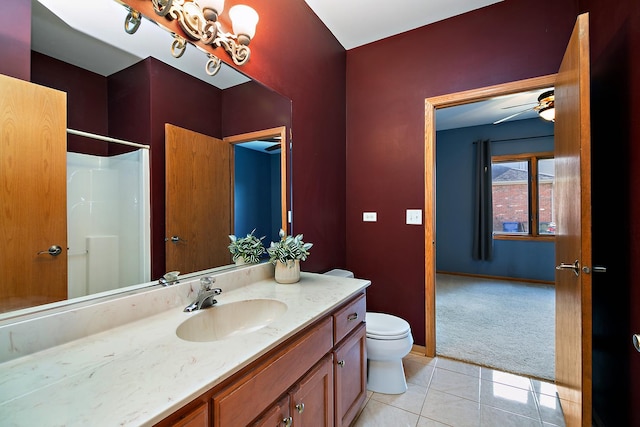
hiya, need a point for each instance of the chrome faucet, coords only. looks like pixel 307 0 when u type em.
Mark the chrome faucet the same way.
pixel 206 295
pixel 171 278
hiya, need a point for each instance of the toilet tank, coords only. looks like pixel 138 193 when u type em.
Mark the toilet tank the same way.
pixel 340 273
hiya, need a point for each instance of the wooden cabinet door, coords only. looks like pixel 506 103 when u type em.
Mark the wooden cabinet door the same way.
pixel 276 416
pixel 199 417
pixel 350 376
pixel 312 398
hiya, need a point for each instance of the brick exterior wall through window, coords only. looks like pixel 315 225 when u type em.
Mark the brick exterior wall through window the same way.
pixel 511 205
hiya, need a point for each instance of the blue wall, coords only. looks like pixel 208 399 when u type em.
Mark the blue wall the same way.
pixel 257 190
pixel 455 154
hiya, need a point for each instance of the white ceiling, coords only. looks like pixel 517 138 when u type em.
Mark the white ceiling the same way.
pixel 358 22
pixel 90 34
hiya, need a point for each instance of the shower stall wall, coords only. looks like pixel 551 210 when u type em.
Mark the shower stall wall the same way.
pixel 108 221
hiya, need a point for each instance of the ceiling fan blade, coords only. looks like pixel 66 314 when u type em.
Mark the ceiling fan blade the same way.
pixel 519 105
pixel 273 147
pixel 513 115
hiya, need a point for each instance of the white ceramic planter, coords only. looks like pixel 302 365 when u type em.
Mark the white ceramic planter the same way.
pixel 288 273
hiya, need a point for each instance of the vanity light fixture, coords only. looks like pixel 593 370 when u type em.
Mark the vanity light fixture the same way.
pixel 199 21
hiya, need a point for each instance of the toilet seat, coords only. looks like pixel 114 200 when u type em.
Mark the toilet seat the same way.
pixel 382 326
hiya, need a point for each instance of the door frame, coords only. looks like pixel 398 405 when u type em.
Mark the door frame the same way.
pixel 431 104
pixel 280 132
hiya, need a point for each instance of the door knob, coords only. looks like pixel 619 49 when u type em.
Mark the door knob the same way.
pixel 54 250
pixel 174 239
pixel 575 267
pixel 636 341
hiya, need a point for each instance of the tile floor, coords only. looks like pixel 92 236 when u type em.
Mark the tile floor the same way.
pixel 445 392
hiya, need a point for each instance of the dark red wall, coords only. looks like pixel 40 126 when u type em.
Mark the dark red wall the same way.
pixel 15 38
pixel 250 107
pixel 508 41
pixel 86 93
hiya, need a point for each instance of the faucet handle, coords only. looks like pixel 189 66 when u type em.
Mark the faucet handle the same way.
pixel 206 283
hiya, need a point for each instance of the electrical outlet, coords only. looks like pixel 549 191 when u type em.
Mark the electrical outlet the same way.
pixel 369 216
pixel 414 216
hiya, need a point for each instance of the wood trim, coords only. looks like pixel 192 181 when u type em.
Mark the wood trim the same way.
pixel 506 279
pixel 281 132
pixel 431 104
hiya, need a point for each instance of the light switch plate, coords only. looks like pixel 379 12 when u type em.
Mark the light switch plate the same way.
pixel 369 216
pixel 414 216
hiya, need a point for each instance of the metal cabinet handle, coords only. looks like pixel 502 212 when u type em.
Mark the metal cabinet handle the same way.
pixel 287 421
pixel 341 363
pixel 575 267
pixel 352 316
pixel 54 250
pixel 300 407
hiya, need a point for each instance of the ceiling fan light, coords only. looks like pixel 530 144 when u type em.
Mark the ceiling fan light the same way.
pixel 548 113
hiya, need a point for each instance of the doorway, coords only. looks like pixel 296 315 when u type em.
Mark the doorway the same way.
pixel 485 307
pixel 431 104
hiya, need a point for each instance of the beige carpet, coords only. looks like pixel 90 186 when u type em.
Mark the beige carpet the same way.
pixel 504 325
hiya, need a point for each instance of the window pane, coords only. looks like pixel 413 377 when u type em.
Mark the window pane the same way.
pixel 546 180
pixel 510 183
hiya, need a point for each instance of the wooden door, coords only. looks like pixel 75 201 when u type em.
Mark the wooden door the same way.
pixel 312 400
pixel 573 235
pixel 198 200
pixel 33 194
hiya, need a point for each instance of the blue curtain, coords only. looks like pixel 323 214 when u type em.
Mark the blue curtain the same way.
pixel 483 216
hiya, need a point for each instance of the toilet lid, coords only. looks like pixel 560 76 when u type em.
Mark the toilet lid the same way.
pixel 381 325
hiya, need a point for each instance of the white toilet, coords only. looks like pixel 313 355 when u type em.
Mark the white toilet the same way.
pixel 389 339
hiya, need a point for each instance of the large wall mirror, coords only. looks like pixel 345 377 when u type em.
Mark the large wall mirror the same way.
pixel 126 88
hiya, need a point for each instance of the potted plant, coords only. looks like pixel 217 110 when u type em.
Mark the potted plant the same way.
pixel 246 250
pixel 286 255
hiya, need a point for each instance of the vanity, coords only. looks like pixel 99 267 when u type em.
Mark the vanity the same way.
pixel 283 355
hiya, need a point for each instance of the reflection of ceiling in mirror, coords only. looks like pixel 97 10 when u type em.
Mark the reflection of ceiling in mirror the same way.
pixel 109 48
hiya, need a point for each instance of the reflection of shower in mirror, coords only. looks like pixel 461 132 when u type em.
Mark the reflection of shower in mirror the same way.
pixel 107 221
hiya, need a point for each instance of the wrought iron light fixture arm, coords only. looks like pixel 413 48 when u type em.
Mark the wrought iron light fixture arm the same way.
pixel 201 23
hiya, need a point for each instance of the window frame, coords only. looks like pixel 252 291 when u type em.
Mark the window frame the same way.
pixel 534 208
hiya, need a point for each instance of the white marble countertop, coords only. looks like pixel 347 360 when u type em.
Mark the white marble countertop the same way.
pixel 140 372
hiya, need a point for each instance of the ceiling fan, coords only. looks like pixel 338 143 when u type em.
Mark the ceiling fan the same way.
pixel 544 107
pixel 273 147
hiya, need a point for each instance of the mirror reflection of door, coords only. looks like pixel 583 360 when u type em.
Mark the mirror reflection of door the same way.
pixel 33 172
pixel 198 200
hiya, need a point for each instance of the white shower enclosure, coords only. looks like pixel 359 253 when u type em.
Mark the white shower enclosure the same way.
pixel 108 222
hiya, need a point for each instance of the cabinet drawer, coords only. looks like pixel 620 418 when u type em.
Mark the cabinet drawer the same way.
pixel 241 403
pixel 348 317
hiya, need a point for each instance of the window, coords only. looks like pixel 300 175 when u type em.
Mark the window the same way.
pixel 522 191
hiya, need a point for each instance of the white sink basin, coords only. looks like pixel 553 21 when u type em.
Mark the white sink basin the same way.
pixel 227 320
